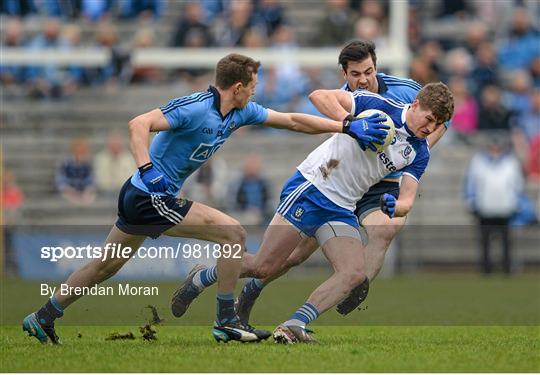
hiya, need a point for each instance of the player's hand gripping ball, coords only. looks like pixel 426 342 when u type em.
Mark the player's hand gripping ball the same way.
pixel 388 124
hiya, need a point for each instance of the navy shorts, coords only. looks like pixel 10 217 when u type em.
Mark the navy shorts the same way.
pixel 371 199
pixel 146 214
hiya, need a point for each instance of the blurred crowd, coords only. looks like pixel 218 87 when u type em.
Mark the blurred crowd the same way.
pixel 488 52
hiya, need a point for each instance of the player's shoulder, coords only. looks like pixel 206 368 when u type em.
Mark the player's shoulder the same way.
pixel 420 146
pixel 196 101
pixel 404 83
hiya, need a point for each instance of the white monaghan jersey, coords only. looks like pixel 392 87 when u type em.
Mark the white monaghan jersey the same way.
pixel 339 168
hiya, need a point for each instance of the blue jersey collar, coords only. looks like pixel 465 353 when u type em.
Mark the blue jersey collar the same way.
pixel 217 100
pixel 382 85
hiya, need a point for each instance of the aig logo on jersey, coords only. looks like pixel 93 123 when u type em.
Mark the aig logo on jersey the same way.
pixel 205 151
pixel 298 212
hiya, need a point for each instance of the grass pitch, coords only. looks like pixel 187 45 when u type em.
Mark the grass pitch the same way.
pixel 448 323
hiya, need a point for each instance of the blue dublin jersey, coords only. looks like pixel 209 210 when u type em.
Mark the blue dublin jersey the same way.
pixel 197 131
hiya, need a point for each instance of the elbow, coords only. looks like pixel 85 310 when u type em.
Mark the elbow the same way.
pixel 403 209
pixel 315 96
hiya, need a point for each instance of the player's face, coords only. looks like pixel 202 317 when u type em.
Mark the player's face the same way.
pixel 421 121
pixel 244 94
pixel 361 75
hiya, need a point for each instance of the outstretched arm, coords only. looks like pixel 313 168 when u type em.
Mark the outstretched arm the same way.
pixel 301 122
pixel 336 104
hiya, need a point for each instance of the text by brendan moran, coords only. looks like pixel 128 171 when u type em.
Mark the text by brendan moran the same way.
pixel 122 289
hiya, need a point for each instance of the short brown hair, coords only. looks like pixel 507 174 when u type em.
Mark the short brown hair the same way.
pixel 235 68
pixel 437 98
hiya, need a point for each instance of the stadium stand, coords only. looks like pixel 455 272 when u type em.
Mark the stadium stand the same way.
pixel 37 133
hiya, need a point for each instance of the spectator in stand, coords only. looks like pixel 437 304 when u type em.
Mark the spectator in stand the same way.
pixel 76 75
pixel 75 175
pixel 337 24
pixel 453 9
pixel 270 15
pixel 11 76
pixel 144 38
pixel 118 67
pixel 143 9
pixel 235 22
pixel 485 70
pixel 254 38
pixel 465 119
pixel 522 45
pixel 526 137
pixel 253 193
pixel 492 187
pixel 492 114
pixel 12 200
pixel 421 71
pixel 47 80
pixel 20 8
pixel 458 62
pixel 476 35
pixel 113 165
pixel 535 72
pixel 517 98
pixel 96 10
pixel 191 25
pixel 368 28
pixel 431 53
pixel 212 9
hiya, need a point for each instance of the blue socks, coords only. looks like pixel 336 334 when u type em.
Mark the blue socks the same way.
pixel 225 308
pixel 49 312
pixel 253 288
pixel 205 278
pixel 303 316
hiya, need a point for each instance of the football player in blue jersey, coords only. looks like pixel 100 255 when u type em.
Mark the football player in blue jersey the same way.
pixel 190 130
pixel 358 62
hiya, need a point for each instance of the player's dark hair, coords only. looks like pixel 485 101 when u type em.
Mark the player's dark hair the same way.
pixel 357 50
pixel 437 98
pixel 235 68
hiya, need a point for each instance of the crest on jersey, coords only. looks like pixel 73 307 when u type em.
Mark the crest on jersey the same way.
pixel 232 126
pixel 406 152
pixel 298 212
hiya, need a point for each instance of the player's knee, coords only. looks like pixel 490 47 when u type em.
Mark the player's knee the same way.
pixel 236 234
pixel 383 234
pixel 293 261
pixel 354 276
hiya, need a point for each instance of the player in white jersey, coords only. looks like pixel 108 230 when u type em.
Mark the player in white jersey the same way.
pixel 358 62
pixel 320 198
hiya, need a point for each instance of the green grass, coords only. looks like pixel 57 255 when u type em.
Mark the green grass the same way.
pixel 430 323
pixel 342 349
